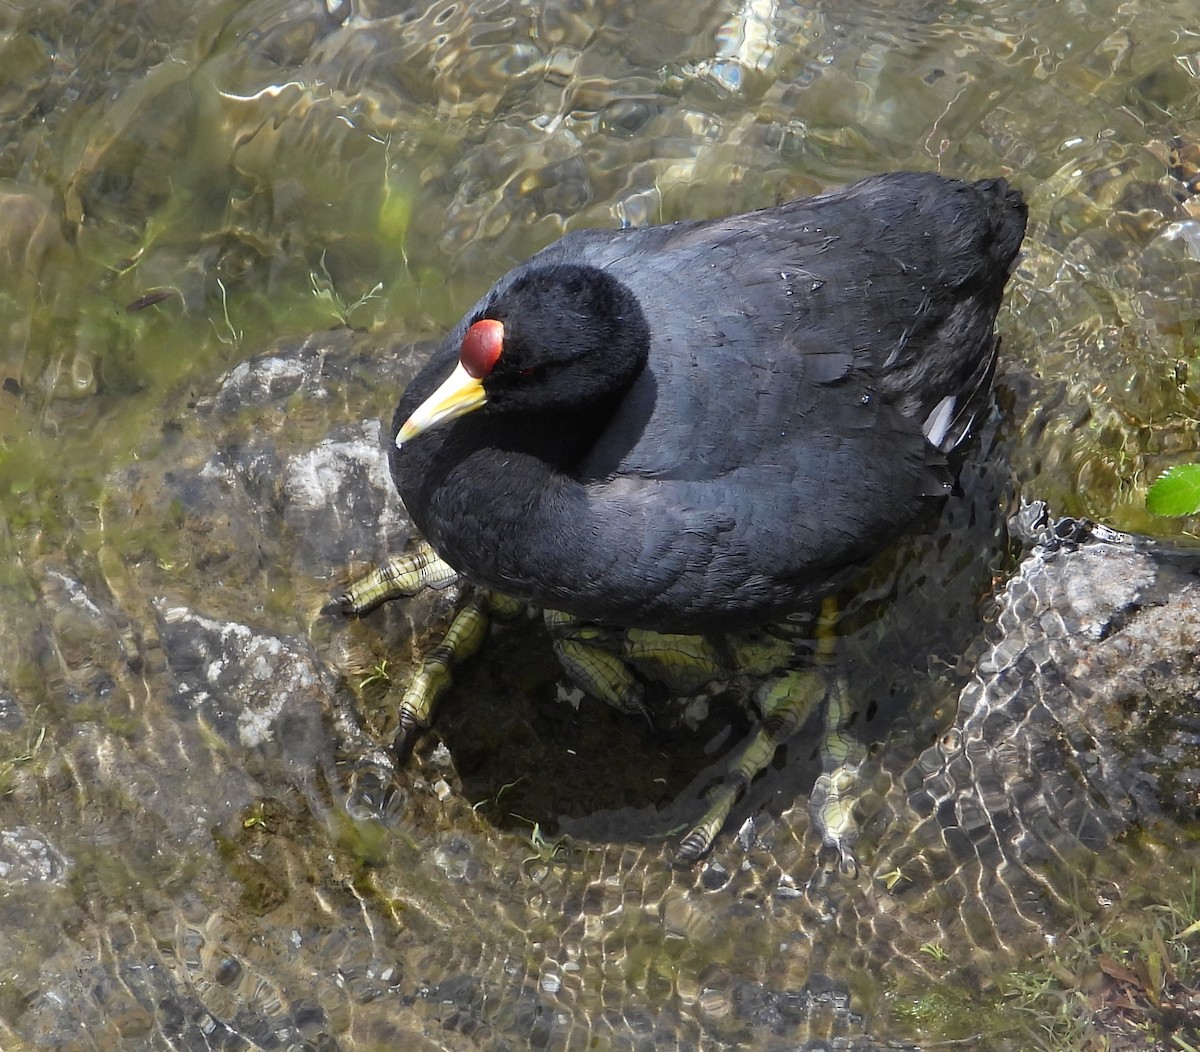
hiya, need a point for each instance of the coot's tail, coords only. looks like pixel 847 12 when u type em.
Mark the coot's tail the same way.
pixel 1008 213
pixel 981 254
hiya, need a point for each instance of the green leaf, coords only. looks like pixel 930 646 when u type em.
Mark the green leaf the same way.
pixel 1177 491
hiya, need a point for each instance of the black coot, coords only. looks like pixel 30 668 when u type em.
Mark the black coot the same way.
pixel 699 426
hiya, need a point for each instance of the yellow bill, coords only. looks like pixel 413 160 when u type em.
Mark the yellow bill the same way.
pixel 459 394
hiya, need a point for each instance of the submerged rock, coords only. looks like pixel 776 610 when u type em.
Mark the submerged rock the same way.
pixel 1077 729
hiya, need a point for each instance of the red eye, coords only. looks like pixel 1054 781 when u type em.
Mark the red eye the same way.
pixel 481 347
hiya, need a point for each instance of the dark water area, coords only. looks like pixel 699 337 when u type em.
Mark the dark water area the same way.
pixel 228 232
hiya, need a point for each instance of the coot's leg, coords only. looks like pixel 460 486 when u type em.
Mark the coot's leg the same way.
pixel 785 703
pixel 831 803
pixel 462 639
pixel 762 652
pixel 606 663
pixel 588 654
pixel 401 575
pixel 684 664
pixel 407 574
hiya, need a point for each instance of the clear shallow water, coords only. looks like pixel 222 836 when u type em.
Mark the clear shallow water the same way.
pixel 263 168
pixel 181 184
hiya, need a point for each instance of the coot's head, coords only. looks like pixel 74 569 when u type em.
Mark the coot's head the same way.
pixel 558 338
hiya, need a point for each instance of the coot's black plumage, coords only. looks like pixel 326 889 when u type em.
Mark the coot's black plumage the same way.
pixel 699 426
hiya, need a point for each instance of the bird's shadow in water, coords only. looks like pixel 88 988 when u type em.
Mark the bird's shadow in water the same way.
pixel 525 755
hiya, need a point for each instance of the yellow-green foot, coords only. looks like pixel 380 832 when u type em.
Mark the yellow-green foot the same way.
pixel 402 575
pixel 607 664
pixel 785 703
pixel 683 664
pixel 588 654
pixel 405 575
pixel 462 639
pixel 835 792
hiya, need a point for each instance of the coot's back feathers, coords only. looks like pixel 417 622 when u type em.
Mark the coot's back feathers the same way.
pixel 797 375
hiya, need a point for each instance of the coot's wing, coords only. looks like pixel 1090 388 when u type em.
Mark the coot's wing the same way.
pixel 767 326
